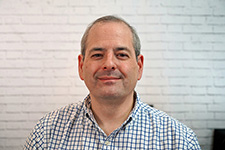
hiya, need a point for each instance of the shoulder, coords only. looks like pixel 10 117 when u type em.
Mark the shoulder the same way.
pixel 52 124
pixel 168 127
pixel 64 114
pixel 162 119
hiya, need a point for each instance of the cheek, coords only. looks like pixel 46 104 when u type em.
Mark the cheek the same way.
pixel 89 70
pixel 129 71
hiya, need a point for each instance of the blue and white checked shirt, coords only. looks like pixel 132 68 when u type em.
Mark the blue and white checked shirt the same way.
pixel 74 128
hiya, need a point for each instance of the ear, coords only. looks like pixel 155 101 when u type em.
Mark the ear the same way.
pixel 80 66
pixel 140 62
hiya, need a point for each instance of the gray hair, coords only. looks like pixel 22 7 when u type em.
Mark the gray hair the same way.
pixel 136 40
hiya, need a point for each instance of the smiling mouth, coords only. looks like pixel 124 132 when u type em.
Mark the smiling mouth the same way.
pixel 109 78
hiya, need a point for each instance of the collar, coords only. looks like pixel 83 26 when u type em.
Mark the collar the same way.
pixel 132 116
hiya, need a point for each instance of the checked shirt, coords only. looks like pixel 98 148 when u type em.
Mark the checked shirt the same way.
pixel 74 128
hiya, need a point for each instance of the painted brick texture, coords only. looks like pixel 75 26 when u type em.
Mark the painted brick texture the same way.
pixel 182 41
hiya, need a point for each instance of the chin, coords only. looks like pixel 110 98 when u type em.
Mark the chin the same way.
pixel 111 95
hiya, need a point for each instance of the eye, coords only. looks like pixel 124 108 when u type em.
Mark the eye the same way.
pixel 122 55
pixel 96 56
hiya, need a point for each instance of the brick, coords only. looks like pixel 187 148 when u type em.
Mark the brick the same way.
pixel 156 28
pixel 14 143
pixel 215 20
pixel 205 141
pixel 56 82
pixel 216 124
pixel 15 20
pixel 197 64
pixel 152 55
pixel 153 90
pixel 60 3
pixel 173 64
pixel 13 134
pixel 15 82
pixel 175 108
pixel 152 72
pixel 175 20
pixel 219 116
pixel 177 55
pixel 155 45
pixel 200 116
pixel 128 3
pixel 37 91
pixel 135 19
pixel 178 11
pixel 199 124
pixel 204 11
pixel 204 133
pixel 13 108
pixel 200 46
pixel 145 10
pixel 219 29
pixel 216 108
pixel 82 10
pixel 80 19
pixel 181 73
pixel 174 28
pixel 178 81
pixel 13 117
pixel 57 64
pixel 219 82
pixel 219 64
pixel 197 107
pixel 198 20
pixel 153 19
pixel 197 29
pixel 14 55
pixel 13 125
pixel 218 56
pixel 78 91
pixel 27 20
pixel 215 91
pixel 199 90
pixel 201 81
pixel 219 11
pixel 176 91
pixel 83 3
pixel 177 115
pixel 13 100
pixel 175 3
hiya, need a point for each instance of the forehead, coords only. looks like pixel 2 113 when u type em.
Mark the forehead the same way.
pixel 109 33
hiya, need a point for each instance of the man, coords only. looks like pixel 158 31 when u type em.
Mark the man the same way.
pixel 112 115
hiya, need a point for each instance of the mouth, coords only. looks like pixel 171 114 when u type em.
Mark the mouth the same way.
pixel 108 78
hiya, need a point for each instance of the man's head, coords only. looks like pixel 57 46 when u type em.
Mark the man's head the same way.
pixel 110 66
pixel 105 19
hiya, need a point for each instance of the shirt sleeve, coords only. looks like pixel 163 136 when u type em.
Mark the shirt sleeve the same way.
pixel 193 144
pixel 37 139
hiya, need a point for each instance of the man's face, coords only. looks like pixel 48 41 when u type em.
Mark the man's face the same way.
pixel 110 68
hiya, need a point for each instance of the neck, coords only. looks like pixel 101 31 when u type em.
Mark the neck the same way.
pixel 110 114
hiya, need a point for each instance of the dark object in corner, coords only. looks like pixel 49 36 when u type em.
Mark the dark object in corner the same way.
pixel 219 139
pixel 151 105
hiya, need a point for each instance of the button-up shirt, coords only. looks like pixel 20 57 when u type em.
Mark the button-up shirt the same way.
pixel 74 128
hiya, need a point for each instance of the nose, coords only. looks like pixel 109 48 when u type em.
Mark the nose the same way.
pixel 109 62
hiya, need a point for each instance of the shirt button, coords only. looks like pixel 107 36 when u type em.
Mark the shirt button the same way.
pixel 107 143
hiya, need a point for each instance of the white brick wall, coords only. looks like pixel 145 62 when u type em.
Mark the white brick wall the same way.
pixel 183 43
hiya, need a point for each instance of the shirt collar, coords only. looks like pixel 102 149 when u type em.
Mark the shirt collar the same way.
pixel 132 116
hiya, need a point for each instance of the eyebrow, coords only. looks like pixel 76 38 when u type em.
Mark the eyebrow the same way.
pixel 96 49
pixel 115 49
pixel 122 49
